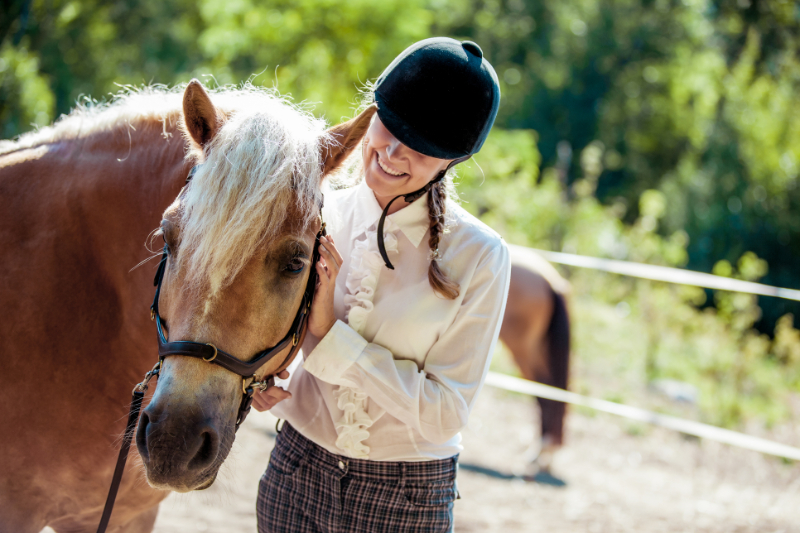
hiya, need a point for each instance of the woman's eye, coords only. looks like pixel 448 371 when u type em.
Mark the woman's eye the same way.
pixel 296 265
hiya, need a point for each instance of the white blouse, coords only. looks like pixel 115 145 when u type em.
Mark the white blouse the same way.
pixel 397 375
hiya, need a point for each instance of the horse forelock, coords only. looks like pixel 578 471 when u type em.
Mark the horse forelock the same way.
pixel 262 166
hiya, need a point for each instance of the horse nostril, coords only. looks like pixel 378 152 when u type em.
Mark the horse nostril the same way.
pixel 207 452
pixel 141 437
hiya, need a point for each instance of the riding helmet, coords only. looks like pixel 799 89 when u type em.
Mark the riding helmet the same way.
pixel 439 97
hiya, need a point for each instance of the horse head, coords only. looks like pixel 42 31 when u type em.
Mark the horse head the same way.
pixel 239 242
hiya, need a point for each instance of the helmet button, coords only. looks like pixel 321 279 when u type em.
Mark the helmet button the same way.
pixel 472 48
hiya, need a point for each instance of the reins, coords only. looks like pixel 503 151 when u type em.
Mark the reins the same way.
pixel 212 355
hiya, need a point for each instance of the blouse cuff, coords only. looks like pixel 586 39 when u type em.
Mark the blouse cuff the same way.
pixel 336 352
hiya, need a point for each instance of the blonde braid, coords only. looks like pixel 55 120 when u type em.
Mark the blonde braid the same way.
pixel 436 210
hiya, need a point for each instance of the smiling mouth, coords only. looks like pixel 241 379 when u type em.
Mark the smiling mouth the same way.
pixel 389 170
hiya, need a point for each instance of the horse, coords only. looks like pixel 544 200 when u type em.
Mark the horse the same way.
pixel 536 330
pixel 80 199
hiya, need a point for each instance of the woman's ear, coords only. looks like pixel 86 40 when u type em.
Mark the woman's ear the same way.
pixel 343 138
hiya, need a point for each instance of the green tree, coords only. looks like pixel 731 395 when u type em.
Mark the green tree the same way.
pixel 695 98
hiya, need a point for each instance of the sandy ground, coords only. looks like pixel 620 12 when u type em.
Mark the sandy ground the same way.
pixel 618 478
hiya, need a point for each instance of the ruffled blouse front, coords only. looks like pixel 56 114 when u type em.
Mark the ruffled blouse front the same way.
pixel 361 283
pixel 396 376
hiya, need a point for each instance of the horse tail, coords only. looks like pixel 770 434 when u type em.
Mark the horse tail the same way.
pixel 558 342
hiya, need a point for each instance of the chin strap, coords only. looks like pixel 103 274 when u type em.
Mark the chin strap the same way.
pixel 410 197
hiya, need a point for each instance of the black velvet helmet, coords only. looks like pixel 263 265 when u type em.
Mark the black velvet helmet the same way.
pixel 439 97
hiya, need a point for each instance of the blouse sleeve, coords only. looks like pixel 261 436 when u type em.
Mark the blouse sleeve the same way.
pixel 436 399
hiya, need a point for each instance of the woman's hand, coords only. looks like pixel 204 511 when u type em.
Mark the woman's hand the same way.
pixel 321 319
pixel 264 401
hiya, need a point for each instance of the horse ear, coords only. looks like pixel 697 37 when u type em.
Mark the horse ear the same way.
pixel 344 138
pixel 199 114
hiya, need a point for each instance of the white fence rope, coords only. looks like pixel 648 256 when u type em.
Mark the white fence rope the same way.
pixel 668 274
pixel 688 427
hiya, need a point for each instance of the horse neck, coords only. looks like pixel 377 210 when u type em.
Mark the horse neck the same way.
pixel 82 213
pixel 127 182
pixel 127 185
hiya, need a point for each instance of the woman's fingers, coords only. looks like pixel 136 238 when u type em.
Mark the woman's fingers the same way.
pixel 330 253
pixel 322 317
pixel 323 276
pixel 330 261
pixel 263 401
pixel 336 254
pixel 283 374
pixel 333 250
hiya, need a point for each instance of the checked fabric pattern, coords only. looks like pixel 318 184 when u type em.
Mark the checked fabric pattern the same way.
pixel 308 489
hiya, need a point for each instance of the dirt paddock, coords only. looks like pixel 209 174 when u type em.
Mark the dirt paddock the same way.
pixel 614 480
pixel 657 481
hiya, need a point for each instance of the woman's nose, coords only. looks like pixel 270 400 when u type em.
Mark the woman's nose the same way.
pixel 393 149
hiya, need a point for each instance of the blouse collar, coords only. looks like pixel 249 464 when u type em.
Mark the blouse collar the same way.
pixel 412 220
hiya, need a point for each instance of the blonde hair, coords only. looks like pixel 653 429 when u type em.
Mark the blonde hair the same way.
pixel 437 202
pixel 129 112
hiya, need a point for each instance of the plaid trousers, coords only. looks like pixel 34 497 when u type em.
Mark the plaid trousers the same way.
pixel 308 489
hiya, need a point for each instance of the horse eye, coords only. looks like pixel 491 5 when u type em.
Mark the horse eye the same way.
pixel 296 265
pixel 167 245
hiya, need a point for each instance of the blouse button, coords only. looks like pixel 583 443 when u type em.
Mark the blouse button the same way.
pixel 341 465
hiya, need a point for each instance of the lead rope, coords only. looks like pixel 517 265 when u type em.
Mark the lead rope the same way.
pixel 133 417
pixel 410 197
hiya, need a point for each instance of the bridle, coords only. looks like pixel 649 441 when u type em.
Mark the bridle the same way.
pixel 212 355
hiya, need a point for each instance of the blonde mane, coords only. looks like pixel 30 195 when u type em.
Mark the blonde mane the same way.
pixel 264 160
pixel 130 110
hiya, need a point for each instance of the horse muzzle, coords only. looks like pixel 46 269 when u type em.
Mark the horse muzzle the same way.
pixel 181 449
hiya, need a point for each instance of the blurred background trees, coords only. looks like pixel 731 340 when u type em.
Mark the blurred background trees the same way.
pixel 661 131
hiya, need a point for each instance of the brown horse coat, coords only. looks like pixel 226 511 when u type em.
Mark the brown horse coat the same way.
pixel 77 332
pixel 536 330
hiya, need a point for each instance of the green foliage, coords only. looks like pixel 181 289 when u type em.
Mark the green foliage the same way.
pixel 319 51
pixel 650 130
pixel 696 99
pixel 629 332
pixel 24 92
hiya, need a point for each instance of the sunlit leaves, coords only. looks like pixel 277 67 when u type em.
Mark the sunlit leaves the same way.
pixel 24 92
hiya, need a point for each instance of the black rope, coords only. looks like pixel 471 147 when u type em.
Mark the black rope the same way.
pixel 381 245
pixel 122 458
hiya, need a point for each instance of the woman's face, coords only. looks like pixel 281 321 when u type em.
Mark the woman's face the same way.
pixel 392 168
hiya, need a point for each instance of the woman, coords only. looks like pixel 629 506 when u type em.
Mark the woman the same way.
pixel 400 333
